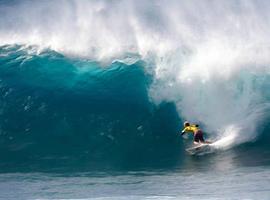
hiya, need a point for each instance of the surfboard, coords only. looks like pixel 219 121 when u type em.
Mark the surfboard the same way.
pixel 199 149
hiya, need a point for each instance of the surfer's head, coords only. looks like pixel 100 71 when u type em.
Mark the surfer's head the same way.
pixel 186 123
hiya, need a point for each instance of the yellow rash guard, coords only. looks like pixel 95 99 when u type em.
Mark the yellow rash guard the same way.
pixel 192 128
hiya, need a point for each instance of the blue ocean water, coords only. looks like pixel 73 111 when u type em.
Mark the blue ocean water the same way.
pixel 75 129
pixel 80 111
pixel 240 183
pixel 92 99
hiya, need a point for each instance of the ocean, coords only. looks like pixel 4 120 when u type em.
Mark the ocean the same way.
pixel 93 96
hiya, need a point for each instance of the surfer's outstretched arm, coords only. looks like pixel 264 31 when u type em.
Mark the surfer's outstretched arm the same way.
pixel 188 129
pixel 183 131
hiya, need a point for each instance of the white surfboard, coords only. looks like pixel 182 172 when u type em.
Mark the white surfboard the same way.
pixel 199 149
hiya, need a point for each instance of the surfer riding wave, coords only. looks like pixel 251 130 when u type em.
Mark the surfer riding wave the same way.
pixel 197 133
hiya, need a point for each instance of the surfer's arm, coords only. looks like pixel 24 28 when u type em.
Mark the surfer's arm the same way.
pixel 187 130
pixel 184 131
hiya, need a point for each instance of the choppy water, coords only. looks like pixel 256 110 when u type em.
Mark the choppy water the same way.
pixel 237 183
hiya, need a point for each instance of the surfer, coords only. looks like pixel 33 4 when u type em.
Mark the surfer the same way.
pixel 197 133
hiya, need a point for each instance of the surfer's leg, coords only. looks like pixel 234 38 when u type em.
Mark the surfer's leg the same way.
pixel 203 140
pixel 198 137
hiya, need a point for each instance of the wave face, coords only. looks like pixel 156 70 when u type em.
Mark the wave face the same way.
pixel 115 79
pixel 56 107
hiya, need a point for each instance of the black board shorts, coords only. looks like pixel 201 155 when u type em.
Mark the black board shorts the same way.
pixel 198 136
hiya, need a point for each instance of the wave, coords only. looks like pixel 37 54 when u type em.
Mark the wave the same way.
pixel 55 107
pixel 52 106
pixel 95 74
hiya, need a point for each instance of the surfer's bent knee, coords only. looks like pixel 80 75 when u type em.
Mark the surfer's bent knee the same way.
pixel 198 136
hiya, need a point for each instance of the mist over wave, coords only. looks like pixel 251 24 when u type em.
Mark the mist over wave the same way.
pixel 209 58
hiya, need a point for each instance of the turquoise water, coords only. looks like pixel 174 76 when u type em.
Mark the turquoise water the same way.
pixel 82 131
pixel 88 111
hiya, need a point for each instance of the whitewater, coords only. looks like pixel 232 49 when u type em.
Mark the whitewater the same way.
pixel 94 94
